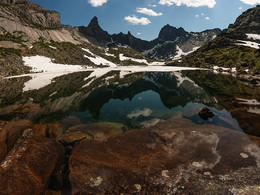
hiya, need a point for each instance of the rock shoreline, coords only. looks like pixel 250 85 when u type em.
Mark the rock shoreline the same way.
pixel 169 157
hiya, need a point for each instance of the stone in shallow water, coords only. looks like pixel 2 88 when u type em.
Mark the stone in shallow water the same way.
pixel 125 159
pixel 71 138
pixel 205 113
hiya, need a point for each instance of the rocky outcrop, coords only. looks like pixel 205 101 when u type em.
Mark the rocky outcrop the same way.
pixel 29 165
pixel 34 22
pixel 169 158
pixel 34 13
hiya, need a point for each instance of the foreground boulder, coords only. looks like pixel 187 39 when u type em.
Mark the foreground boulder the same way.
pixel 168 158
pixel 9 133
pixel 28 166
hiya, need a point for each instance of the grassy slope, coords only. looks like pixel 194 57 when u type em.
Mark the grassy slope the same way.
pixel 223 52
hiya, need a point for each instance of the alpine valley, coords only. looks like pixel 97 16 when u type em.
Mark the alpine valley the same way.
pixel 83 111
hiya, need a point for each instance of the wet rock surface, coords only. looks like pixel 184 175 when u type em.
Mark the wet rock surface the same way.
pixel 173 158
pixel 29 165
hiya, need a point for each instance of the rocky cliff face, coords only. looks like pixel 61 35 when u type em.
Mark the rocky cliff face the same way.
pixel 33 23
pixel 30 12
pixel 170 40
pixel 249 21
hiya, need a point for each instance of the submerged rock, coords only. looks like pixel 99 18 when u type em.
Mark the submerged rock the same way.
pixel 205 113
pixel 100 130
pixel 167 158
pixel 71 138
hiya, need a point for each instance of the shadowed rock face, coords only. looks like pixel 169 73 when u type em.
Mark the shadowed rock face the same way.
pixel 167 158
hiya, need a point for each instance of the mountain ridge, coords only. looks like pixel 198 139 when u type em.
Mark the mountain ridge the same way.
pixel 177 36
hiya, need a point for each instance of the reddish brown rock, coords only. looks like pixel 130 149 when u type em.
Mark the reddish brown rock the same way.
pixel 9 133
pixel 54 130
pixel 29 165
pixel 3 145
pixel 169 158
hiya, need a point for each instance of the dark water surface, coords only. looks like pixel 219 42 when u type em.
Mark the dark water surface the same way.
pixel 136 100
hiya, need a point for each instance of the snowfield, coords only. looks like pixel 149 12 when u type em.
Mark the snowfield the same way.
pixel 44 71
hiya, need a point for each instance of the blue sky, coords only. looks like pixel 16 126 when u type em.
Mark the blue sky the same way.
pixel 145 18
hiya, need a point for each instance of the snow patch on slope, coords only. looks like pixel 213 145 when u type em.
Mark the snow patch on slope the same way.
pixel 248 44
pixel 141 61
pixel 97 60
pixel 253 36
pixel 180 53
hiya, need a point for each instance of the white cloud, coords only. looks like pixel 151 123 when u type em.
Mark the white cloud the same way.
pixel 197 16
pixel 97 3
pixel 207 18
pixel 240 7
pixel 202 14
pixel 138 33
pixel 135 21
pixel 152 5
pixel 148 12
pixel 190 3
pixel 250 2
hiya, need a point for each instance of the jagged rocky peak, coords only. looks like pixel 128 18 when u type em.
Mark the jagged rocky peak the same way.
pixel 94 24
pixel 170 33
pixel 94 31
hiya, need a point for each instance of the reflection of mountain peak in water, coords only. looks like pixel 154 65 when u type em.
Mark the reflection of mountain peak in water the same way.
pixel 173 91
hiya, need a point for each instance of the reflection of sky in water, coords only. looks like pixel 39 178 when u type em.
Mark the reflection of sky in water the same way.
pixel 147 105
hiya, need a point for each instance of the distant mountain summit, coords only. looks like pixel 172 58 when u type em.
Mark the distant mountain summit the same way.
pixel 93 30
pixel 170 44
pixel 170 33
